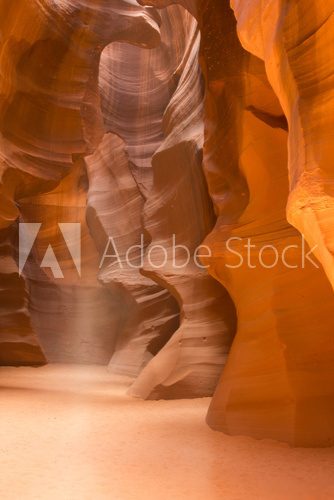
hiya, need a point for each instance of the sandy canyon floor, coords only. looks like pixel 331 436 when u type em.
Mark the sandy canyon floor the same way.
pixel 72 433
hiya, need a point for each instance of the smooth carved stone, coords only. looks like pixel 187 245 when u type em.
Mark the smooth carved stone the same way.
pixel 136 83
pixel 278 381
pixel 50 87
pixel 220 133
pixel 18 342
pixel 149 313
pixel 295 43
pixel 190 363
pixel 50 116
pixel 168 79
pixel 75 318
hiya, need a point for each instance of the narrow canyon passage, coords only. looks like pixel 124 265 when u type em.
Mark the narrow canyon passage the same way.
pixel 166 250
pixel 71 432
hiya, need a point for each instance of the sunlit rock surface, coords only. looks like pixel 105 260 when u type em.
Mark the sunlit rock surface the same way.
pixel 264 173
pixel 295 40
pixel 278 382
pixel 115 112
pixel 135 83
pixel 178 214
pixel 149 314
pixel 50 117
pixel 206 123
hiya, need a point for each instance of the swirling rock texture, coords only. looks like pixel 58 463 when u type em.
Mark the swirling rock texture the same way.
pixel 19 344
pixel 177 218
pixel 294 43
pixel 149 313
pixel 178 369
pixel 131 142
pixel 50 117
pixel 68 313
pixel 278 381
pixel 136 86
pixel 130 80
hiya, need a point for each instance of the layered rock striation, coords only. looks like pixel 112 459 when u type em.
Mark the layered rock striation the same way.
pixel 278 382
pixel 195 159
pixel 50 117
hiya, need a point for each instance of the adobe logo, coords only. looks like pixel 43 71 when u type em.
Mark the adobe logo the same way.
pixel 71 232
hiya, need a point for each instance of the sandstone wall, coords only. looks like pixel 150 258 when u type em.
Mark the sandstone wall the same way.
pixel 206 123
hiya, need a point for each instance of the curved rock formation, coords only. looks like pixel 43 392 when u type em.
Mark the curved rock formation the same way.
pixel 129 81
pixel 75 318
pixel 178 215
pixel 134 83
pixel 293 43
pixel 137 85
pixel 50 110
pixel 278 382
pixel 210 150
pixel 19 344
pixel 149 313
pixel 50 103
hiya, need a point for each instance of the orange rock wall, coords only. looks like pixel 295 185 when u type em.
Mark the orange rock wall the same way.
pixel 210 125
pixel 278 381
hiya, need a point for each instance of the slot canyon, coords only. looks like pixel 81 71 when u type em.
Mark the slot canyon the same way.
pixel 166 252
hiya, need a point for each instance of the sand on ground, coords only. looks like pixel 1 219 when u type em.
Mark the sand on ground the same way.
pixel 71 433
